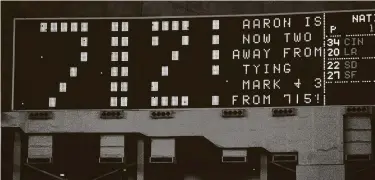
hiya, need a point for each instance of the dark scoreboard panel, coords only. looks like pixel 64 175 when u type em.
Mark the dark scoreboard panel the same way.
pixel 307 59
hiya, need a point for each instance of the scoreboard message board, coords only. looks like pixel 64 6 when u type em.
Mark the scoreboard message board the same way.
pixel 299 59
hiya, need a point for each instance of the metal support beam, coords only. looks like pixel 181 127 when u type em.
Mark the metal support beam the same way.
pixel 140 159
pixel 263 167
pixel 17 156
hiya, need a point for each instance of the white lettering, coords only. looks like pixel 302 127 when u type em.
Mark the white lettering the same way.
pixel 303 52
pixel 363 18
pixel 234 99
pixel 267 68
pixel 250 54
pixel 267 23
pixel 246 66
pixel 317 21
pixel 260 84
pixel 298 37
pixel 251 100
pixel 256 38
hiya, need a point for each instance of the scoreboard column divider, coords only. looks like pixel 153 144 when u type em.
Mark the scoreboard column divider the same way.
pixel 324 59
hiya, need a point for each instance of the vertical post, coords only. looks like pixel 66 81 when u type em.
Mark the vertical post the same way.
pixel 17 156
pixel 140 159
pixel 263 166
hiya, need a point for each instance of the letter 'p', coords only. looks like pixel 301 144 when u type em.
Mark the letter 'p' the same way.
pixel 332 28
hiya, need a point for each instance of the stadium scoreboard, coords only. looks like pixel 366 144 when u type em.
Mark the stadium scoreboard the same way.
pixel 300 59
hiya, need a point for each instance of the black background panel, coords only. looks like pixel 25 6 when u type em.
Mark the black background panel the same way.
pixel 43 60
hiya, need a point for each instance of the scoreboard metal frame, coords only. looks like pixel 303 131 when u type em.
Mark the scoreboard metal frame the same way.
pixel 325 66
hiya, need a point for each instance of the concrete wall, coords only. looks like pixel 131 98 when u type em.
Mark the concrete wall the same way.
pixel 321 172
pixel 316 133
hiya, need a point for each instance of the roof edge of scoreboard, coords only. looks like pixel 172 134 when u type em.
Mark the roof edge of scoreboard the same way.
pixel 189 109
pixel 201 16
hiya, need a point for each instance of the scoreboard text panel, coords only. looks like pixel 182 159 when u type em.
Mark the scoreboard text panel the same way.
pixel 311 59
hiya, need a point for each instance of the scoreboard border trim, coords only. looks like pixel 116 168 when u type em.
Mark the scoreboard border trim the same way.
pixel 201 16
pixel 168 17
